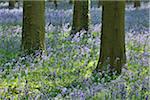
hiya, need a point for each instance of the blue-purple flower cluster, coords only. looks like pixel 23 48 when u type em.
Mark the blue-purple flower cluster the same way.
pixel 64 71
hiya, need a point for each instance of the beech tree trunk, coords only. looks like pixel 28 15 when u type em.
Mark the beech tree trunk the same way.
pixel 81 15
pixel 33 35
pixel 112 49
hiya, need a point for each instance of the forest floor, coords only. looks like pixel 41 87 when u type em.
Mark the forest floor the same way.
pixel 64 72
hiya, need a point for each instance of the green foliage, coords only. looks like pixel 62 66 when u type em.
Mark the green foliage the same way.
pixel 69 67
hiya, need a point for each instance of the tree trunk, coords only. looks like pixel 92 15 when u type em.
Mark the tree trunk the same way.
pixel 112 50
pixel 81 15
pixel 137 4
pixel 99 3
pixel 71 1
pixel 33 35
pixel 55 3
pixel 11 4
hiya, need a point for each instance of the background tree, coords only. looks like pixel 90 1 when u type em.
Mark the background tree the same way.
pixel 99 3
pixel 71 1
pixel 55 3
pixel 33 35
pixel 12 4
pixel 112 50
pixel 81 15
pixel 137 3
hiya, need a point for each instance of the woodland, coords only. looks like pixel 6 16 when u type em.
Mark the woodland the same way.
pixel 74 49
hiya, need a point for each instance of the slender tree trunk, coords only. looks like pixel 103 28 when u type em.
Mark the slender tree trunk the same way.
pixel 12 4
pixel 137 3
pixel 99 3
pixel 112 50
pixel 33 35
pixel 71 1
pixel 81 15
pixel 55 3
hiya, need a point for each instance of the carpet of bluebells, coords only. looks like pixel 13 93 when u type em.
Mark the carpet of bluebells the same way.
pixel 64 71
